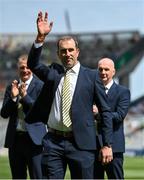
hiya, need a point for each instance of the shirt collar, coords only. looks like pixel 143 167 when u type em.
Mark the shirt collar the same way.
pixel 75 69
pixel 108 86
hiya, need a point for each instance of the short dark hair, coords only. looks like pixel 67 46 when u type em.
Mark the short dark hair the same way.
pixel 67 38
pixel 23 57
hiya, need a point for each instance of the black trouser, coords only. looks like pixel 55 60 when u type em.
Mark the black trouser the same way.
pixel 23 155
pixel 62 151
pixel 114 170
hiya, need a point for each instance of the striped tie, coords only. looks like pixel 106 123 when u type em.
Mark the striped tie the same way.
pixel 21 116
pixel 66 100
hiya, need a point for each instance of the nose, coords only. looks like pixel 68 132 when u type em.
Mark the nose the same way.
pixel 24 69
pixel 67 52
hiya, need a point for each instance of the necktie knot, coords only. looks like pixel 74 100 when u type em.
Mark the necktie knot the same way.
pixel 67 72
pixel 106 89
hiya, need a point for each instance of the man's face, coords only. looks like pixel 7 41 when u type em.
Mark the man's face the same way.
pixel 24 72
pixel 106 70
pixel 68 53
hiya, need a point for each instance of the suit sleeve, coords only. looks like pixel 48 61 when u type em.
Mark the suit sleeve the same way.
pixel 122 106
pixel 29 100
pixel 39 69
pixel 105 113
pixel 9 106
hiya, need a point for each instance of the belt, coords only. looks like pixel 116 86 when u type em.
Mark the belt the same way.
pixel 21 133
pixel 61 133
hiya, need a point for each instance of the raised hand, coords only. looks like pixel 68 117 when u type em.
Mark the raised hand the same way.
pixel 43 26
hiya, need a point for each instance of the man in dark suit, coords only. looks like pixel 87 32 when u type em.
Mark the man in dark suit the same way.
pixel 24 146
pixel 119 100
pixel 70 140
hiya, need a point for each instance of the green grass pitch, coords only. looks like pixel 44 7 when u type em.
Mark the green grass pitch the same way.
pixel 133 168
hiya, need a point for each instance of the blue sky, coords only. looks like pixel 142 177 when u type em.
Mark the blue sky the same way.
pixel 18 16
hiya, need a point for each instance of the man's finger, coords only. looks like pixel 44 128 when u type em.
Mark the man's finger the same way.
pixel 46 16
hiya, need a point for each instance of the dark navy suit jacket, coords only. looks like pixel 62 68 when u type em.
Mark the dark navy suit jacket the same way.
pixel 88 89
pixel 9 110
pixel 119 100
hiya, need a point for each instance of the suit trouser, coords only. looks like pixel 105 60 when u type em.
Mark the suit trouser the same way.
pixel 114 170
pixel 61 151
pixel 23 155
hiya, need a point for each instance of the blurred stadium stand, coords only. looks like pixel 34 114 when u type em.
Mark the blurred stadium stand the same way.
pixel 134 128
pixel 124 47
pixel 93 46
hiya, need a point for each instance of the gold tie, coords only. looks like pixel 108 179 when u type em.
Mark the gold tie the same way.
pixel 66 100
pixel 21 116
pixel 20 111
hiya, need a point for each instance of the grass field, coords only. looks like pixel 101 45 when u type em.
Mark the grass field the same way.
pixel 133 167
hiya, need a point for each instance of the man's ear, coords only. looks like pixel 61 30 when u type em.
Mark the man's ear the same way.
pixel 114 71
pixel 78 51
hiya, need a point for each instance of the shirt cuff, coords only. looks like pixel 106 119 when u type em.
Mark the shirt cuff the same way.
pixel 37 45
pixel 14 99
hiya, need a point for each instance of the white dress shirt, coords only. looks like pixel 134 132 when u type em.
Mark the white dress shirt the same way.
pixel 55 117
pixel 21 122
pixel 108 86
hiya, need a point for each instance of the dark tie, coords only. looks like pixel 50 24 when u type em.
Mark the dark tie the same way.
pixel 106 90
pixel 66 100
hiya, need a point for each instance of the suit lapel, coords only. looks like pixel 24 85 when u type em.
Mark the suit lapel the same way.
pixel 80 79
pixel 57 81
pixel 31 85
pixel 112 91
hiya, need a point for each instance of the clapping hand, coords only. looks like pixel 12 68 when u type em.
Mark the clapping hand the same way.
pixel 22 90
pixel 14 89
pixel 18 89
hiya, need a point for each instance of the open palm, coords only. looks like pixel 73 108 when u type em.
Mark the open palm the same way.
pixel 43 26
